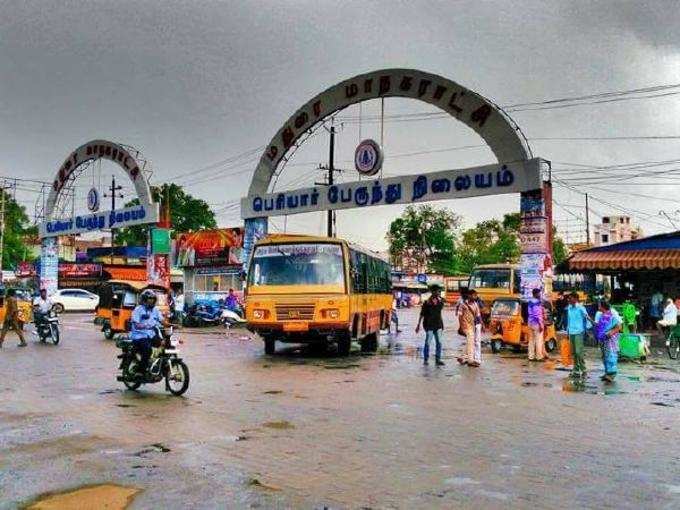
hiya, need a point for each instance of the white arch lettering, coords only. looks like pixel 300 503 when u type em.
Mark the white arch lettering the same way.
pixel 495 127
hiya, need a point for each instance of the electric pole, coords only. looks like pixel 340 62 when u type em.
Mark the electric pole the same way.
pixel 2 227
pixel 587 223
pixel 113 189
pixel 330 180
pixel 331 171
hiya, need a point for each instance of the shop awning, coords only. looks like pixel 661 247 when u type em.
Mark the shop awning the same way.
pixel 625 259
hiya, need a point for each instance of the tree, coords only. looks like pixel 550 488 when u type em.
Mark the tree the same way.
pixel 16 227
pixel 186 214
pixel 424 237
pixel 490 242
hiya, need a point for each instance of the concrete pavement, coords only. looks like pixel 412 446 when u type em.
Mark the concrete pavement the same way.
pixel 368 431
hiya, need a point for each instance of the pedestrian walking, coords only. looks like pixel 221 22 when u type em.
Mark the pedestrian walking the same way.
pixel 394 317
pixel 577 320
pixel 470 317
pixel 12 319
pixel 536 322
pixel 431 319
pixel 607 329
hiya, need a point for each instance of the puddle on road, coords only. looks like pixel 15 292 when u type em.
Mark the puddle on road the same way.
pixel 272 392
pixel 94 497
pixel 279 425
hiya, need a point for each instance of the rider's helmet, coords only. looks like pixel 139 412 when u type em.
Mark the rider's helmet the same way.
pixel 148 298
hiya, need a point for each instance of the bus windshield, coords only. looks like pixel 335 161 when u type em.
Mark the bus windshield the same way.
pixel 490 279
pixel 297 264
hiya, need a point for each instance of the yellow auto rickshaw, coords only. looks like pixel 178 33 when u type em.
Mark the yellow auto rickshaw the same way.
pixel 117 300
pixel 508 326
pixel 24 304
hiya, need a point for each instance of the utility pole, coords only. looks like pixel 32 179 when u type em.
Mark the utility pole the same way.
pixel 330 180
pixel 113 189
pixel 331 171
pixel 587 223
pixel 2 227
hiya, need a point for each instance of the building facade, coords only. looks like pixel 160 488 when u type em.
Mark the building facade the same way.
pixel 615 229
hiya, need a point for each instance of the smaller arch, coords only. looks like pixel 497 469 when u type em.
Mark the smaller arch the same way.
pixel 92 150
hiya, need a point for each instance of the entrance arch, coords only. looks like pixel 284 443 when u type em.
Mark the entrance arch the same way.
pixel 52 227
pixel 498 130
pixel 517 171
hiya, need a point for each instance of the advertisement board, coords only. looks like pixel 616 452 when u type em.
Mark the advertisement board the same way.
pixel 216 247
pixel 71 270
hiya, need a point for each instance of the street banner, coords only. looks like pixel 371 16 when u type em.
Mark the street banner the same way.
pixel 209 247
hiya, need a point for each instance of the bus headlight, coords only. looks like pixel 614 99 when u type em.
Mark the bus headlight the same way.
pixel 259 314
pixel 331 313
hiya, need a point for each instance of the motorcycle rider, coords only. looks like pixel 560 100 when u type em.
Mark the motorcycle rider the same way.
pixel 41 307
pixel 233 303
pixel 143 334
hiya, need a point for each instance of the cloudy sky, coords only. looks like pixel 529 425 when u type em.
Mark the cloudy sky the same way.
pixel 197 86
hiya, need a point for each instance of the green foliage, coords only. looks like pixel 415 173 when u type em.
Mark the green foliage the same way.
pixel 432 238
pixel 16 227
pixel 186 214
pixel 427 236
pixel 490 242
pixel 560 251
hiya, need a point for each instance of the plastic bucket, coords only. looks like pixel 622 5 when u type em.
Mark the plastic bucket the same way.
pixel 565 349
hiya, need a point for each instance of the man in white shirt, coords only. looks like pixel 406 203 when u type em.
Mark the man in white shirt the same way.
pixel 670 315
pixel 42 305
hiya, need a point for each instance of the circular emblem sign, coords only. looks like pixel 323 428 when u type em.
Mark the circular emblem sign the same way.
pixel 93 200
pixel 368 158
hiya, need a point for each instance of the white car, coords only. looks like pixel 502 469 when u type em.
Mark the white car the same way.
pixel 72 300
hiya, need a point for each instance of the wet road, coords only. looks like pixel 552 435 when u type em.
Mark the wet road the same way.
pixel 367 431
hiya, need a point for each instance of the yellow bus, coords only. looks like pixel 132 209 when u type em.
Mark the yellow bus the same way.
pixel 494 281
pixel 317 290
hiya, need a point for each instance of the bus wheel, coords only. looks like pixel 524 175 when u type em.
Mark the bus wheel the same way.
pixel 370 343
pixel 269 346
pixel 344 342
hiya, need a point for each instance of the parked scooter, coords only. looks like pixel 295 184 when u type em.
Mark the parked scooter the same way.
pixel 46 326
pixel 165 363
pixel 203 314
pixel 231 318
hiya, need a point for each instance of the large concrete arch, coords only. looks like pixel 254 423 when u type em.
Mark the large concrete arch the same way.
pixel 498 130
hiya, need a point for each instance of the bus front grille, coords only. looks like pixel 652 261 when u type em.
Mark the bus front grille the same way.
pixel 295 312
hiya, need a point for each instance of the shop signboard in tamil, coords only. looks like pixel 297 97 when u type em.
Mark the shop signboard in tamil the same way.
pixel 209 247
pixel 71 270
pixel 25 269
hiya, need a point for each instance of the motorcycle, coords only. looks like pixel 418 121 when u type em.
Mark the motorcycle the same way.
pixel 164 363
pixel 231 318
pixel 204 314
pixel 47 326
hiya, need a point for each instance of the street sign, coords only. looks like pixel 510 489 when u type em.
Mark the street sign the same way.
pixel 368 158
pixel 93 200
pixel 160 241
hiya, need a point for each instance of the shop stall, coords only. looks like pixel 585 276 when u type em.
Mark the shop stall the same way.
pixel 211 262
